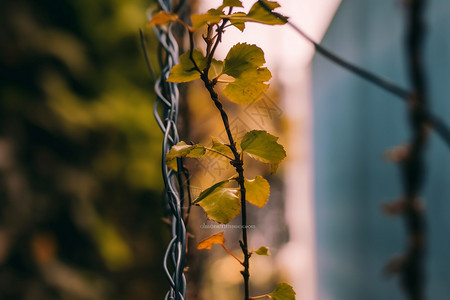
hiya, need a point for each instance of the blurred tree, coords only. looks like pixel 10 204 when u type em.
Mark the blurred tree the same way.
pixel 80 185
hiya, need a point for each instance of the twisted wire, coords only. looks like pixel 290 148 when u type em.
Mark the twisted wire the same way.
pixel 165 111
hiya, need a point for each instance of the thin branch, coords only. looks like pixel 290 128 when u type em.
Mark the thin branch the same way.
pixel 218 39
pixel 234 256
pixel 369 76
pixel 375 79
pixel 441 129
pixel 237 162
pixel 191 51
pixel 403 94
pixel 413 168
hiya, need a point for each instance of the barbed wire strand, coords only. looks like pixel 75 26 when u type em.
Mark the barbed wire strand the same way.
pixel 165 111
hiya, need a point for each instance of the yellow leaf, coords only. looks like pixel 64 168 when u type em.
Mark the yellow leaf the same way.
pixel 258 191
pixel 162 18
pixel 263 250
pixel 214 239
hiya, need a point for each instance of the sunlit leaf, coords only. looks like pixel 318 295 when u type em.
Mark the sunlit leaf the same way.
pixel 232 3
pixel 249 87
pixel 243 62
pixel 263 146
pixel 213 16
pixel 211 189
pixel 220 204
pixel 257 191
pixel 259 14
pixel 185 71
pixel 183 150
pixel 214 239
pixel 263 250
pixel 162 18
pixel 243 57
pixel 238 24
pixel 221 148
pixel 283 291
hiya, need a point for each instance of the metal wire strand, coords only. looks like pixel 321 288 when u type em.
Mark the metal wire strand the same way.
pixel 165 111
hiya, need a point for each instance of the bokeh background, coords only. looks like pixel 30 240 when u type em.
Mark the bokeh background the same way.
pixel 80 186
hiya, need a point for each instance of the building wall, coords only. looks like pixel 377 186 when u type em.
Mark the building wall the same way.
pixel 354 124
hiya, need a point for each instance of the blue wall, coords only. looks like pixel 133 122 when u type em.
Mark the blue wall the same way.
pixel 355 123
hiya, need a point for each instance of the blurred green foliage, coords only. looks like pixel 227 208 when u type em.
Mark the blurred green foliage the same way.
pixel 80 183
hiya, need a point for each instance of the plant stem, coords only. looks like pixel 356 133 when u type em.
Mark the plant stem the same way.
pixel 229 252
pixel 238 164
pixel 259 297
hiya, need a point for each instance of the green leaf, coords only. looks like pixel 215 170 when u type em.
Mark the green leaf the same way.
pixel 162 18
pixel 243 62
pixel 257 191
pixel 259 14
pixel 185 70
pixel 221 148
pixel 220 204
pixel 243 57
pixel 263 146
pixel 183 150
pixel 210 190
pixel 238 24
pixel 263 250
pixel 232 3
pixel 283 291
pixel 215 69
pixel 213 16
pixel 249 87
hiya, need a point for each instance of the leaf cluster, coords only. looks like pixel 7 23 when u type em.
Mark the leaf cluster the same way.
pixel 244 79
pixel 220 201
pixel 242 72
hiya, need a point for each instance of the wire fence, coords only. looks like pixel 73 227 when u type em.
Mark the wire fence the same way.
pixel 166 110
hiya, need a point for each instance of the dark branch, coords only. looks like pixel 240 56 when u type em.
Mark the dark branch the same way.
pixel 441 128
pixel 413 168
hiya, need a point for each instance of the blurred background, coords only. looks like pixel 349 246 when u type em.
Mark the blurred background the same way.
pixel 80 184
pixel 81 206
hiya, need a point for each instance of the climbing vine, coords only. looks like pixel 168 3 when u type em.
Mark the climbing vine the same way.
pixel 244 79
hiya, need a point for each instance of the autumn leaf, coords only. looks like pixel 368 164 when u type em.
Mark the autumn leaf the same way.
pixel 183 150
pixel 162 18
pixel 244 63
pixel 283 291
pixel 264 147
pixel 257 191
pixel 262 251
pixel 220 148
pixel 220 204
pixel 214 239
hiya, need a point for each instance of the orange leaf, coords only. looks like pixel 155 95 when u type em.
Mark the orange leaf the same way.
pixel 162 18
pixel 214 239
